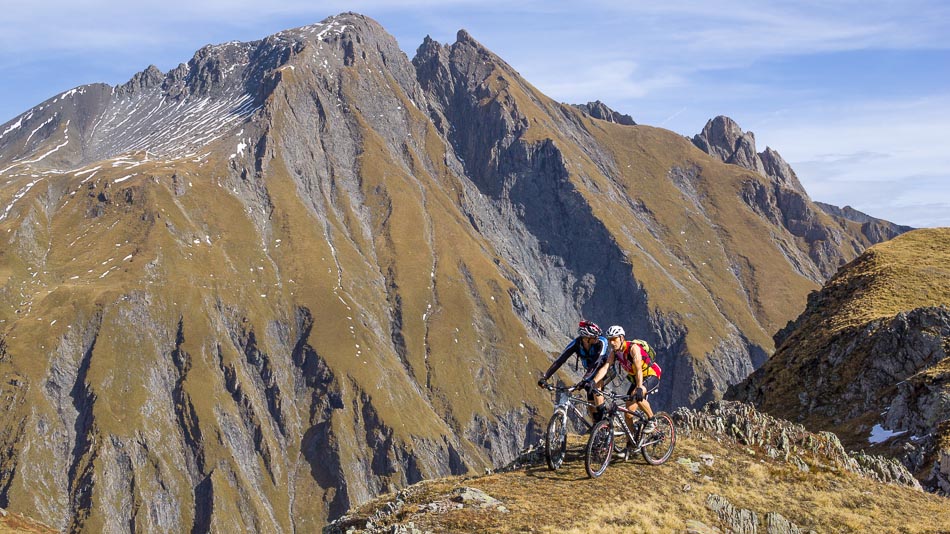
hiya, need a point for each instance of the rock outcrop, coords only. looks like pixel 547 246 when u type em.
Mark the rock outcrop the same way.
pixel 743 424
pixel 725 140
pixel 599 110
pixel 742 520
pixel 869 356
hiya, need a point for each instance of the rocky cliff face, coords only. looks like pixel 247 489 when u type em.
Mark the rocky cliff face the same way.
pixel 830 234
pixel 869 356
pixel 722 138
pixel 292 274
pixel 599 110
pixel 876 230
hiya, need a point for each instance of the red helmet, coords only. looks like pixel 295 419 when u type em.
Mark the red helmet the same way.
pixel 588 329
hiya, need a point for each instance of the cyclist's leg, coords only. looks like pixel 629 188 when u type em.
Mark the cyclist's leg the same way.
pixel 650 383
pixel 631 405
pixel 597 410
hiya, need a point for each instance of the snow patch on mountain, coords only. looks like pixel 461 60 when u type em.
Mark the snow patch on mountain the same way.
pixel 170 129
pixel 880 434
pixel 47 121
pixel 16 125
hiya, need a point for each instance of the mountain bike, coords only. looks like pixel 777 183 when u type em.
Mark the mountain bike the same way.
pixel 611 435
pixel 555 437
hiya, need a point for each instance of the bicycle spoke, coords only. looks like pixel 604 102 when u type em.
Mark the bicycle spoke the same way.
pixel 599 448
pixel 556 440
pixel 658 446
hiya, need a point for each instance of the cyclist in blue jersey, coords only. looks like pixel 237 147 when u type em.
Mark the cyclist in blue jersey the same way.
pixel 591 348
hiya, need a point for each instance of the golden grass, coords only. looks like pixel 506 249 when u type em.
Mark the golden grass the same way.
pixel 13 523
pixel 634 497
pixel 907 272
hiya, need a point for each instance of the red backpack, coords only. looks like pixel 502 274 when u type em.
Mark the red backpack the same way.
pixel 648 355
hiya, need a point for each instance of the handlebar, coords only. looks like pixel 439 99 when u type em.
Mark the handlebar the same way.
pixel 611 395
pixel 571 389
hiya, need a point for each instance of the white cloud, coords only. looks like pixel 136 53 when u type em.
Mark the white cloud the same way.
pixel 789 26
pixel 607 79
pixel 717 29
pixel 883 157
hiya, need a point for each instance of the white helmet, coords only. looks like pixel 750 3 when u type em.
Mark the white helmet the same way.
pixel 615 331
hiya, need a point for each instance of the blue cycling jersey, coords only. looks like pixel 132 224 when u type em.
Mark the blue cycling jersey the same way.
pixel 592 358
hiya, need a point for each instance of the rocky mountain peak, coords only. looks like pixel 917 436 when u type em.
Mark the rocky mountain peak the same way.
pixel 149 77
pixel 428 48
pixel 467 48
pixel 428 56
pixel 599 110
pixel 462 36
pixel 784 200
pixel 777 168
pixel 334 25
pixel 458 76
pixel 172 114
pixel 722 137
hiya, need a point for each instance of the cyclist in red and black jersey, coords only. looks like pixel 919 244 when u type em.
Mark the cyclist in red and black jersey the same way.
pixel 591 348
pixel 642 372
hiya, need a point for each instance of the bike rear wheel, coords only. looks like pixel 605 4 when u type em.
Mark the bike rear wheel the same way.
pixel 599 448
pixel 556 440
pixel 658 445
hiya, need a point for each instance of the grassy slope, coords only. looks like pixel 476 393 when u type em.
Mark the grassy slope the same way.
pixel 635 497
pixel 908 272
pixel 705 241
pixel 200 258
pixel 175 270
pixel 12 523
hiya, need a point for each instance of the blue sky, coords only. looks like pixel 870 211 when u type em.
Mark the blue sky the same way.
pixel 854 94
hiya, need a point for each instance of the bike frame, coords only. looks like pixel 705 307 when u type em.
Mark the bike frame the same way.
pixel 615 412
pixel 567 403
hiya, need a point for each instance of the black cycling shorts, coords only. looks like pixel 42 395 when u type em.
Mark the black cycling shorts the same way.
pixel 650 382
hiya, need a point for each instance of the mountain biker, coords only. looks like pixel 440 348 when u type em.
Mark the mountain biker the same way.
pixel 590 347
pixel 643 374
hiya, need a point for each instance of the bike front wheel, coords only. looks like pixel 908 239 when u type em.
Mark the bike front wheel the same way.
pixel 555 445
pixel 599 448
pixel 658 445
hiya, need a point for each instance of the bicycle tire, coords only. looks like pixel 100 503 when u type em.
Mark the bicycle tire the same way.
pixel 663 438
pixel 555 438
pixel 599 448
